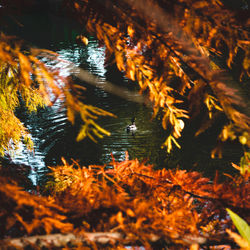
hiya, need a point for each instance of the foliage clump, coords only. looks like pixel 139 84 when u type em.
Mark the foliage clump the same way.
pixel 176 65
pixel 191 57
pixel 129 200
pixel 24 214
pixel 25 79
pixel 148 205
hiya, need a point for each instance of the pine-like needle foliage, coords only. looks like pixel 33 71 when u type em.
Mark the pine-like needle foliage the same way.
pixel 191 57
pixel 25 78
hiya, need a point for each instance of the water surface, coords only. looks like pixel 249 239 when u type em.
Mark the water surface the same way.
pixel 54 136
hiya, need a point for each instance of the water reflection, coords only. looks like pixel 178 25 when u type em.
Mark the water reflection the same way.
pixel 96 58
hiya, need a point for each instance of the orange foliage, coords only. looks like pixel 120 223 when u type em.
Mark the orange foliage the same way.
pixel 165 47
pixel 142 205
pixel 22 213
pixel 146 204
pixel 24 74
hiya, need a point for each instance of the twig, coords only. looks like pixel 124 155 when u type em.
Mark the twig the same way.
pixel 107 86
pixel 214 199
pixel 103 239
pixel 60 240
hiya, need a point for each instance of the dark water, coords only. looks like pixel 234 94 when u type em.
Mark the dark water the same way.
pixel 54 137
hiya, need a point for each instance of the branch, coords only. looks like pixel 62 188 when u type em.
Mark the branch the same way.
pixel 60 240
pixel 106 238
pixel 226 89
pixel 107 86
pixel 221 201
pixel 234 91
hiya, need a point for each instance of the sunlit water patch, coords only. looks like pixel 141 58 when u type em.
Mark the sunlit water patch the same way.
pixel 96 58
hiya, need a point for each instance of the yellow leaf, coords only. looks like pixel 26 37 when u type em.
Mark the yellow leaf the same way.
pixel 130 213
pixel 119 218
pixel 130 31
pixel 120 61
pixel 82 133
pixel 71 115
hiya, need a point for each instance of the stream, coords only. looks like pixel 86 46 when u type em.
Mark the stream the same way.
pixel 54 137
